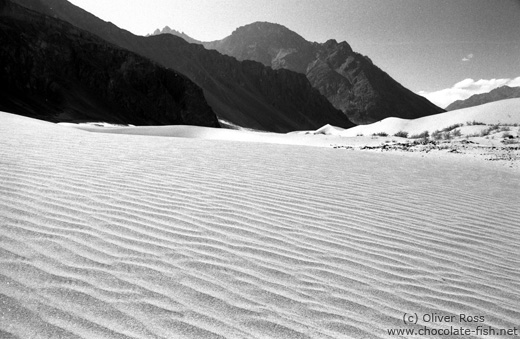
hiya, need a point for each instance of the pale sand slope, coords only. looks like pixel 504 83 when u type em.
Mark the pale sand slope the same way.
pixel 503 112
pixel 123 236
pixel 183 131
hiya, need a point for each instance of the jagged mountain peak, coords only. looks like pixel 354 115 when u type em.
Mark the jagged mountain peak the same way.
pixel 349 80
pixel 332 44
pixel 246 92
pixel 171 31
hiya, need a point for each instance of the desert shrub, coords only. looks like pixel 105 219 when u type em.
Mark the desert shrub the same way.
pixel 446 135
pixel 474 135
pixel 401 134
pixel 380 134
pixel 437 135
pixel 452 127
pixel 423 135
pixel 485 132
pixel 490 130
pixel 359 135
pixel 505 129
pixel 456 133
pixel 474 123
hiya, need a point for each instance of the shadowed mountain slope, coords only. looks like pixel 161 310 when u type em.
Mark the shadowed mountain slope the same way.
pixel 54 71
pixel 244 93
pixel 349 80
pixel 501 93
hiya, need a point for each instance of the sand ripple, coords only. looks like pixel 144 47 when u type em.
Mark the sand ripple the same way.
pixel 118 236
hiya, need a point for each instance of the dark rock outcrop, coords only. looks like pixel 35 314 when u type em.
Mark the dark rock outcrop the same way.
pixel 244 93
pixel 54 71
pixel 501 93
pixel 349 80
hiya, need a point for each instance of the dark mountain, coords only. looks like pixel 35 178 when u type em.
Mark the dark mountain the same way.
pixel 168 30
pixel 54 71
pixel 501 93
pixel 349 80
pixel 244 93
pixel 271 44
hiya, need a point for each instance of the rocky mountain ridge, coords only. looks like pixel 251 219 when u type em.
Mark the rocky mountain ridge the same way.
pixel 349 80
pixel 501 93
pixel 244 93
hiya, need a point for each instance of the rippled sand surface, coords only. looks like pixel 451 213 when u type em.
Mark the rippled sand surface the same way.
pixel 127 236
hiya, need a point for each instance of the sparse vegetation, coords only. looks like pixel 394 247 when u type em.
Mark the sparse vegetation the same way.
pixel 474 123
pixel 380 134
pixel 401 134
pixel 359 135
pixel 456 133
pixel 437 135
pixel 450 128
pixel 446 134
pixel 488 131
pixel 423 135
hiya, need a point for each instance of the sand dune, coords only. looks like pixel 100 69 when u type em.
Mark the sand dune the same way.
pixel 196 132
pixel 124 236
pixel 503 112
